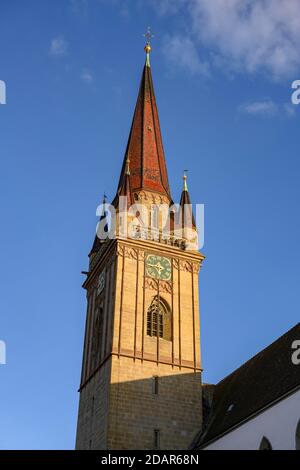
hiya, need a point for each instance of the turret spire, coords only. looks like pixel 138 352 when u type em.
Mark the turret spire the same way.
pixel 187 215
pixel 185 188
pixel 103 224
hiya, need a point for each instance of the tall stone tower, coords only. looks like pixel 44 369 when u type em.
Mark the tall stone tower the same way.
pixel 141 372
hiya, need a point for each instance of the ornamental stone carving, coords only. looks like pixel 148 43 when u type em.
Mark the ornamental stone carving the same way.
pixel 158 285
pixel 185 266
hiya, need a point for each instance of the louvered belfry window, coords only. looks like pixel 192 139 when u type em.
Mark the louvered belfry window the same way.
pixel 158 319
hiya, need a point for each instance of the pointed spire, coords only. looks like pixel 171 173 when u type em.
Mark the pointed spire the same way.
pixel 147 49
pixel 148 169
pixel 104 223
pixel 103 217
pixel 124 188
pixel 185 188
pixel 187 216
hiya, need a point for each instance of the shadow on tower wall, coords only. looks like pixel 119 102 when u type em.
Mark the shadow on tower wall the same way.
pixel 150 413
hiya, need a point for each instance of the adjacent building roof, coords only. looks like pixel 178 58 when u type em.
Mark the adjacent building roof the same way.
pixel 264 379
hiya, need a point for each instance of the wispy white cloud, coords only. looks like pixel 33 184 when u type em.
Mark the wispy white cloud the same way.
pixel 123 6
pixel 267 108
pixel 86 76
pixel 181 51
pixel 290 109
pixel 79 8
pixel 58 46
pixel 249 35
pixel 124 11
pixel 163 7
pixel 263 108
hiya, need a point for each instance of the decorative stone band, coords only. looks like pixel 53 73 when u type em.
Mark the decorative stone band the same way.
pixel 158 284
pixel 131 253
pixel 183 265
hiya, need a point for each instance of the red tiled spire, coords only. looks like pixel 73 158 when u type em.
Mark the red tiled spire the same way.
pixel 145 151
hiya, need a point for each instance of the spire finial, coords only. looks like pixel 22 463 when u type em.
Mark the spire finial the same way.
pixel 127 172
pixel 148 35
pixel 185 188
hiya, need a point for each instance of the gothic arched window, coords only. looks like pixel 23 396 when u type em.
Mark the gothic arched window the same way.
pixel 297 437
pixel 265 444
pixel 97 336
pixel 159 319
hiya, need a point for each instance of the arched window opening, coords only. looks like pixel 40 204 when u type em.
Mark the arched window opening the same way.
pixel 265 444
pixel 159 319
pixel 97 337
pixel 297 447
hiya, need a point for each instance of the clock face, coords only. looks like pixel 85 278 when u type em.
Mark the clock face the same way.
pixel 101 282
pixel 158 267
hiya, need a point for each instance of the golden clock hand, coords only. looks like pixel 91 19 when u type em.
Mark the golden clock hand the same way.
pixel 158 266
pixel 152 265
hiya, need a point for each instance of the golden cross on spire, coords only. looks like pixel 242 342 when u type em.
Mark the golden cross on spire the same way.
pixel 148 35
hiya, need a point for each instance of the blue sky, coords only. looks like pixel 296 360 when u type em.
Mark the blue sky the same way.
pixel 223 85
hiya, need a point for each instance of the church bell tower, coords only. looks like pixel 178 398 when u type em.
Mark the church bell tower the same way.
pixel 141 371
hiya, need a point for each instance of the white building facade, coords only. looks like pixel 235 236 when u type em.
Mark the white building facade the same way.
pixel 278 425
pixel 257 406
